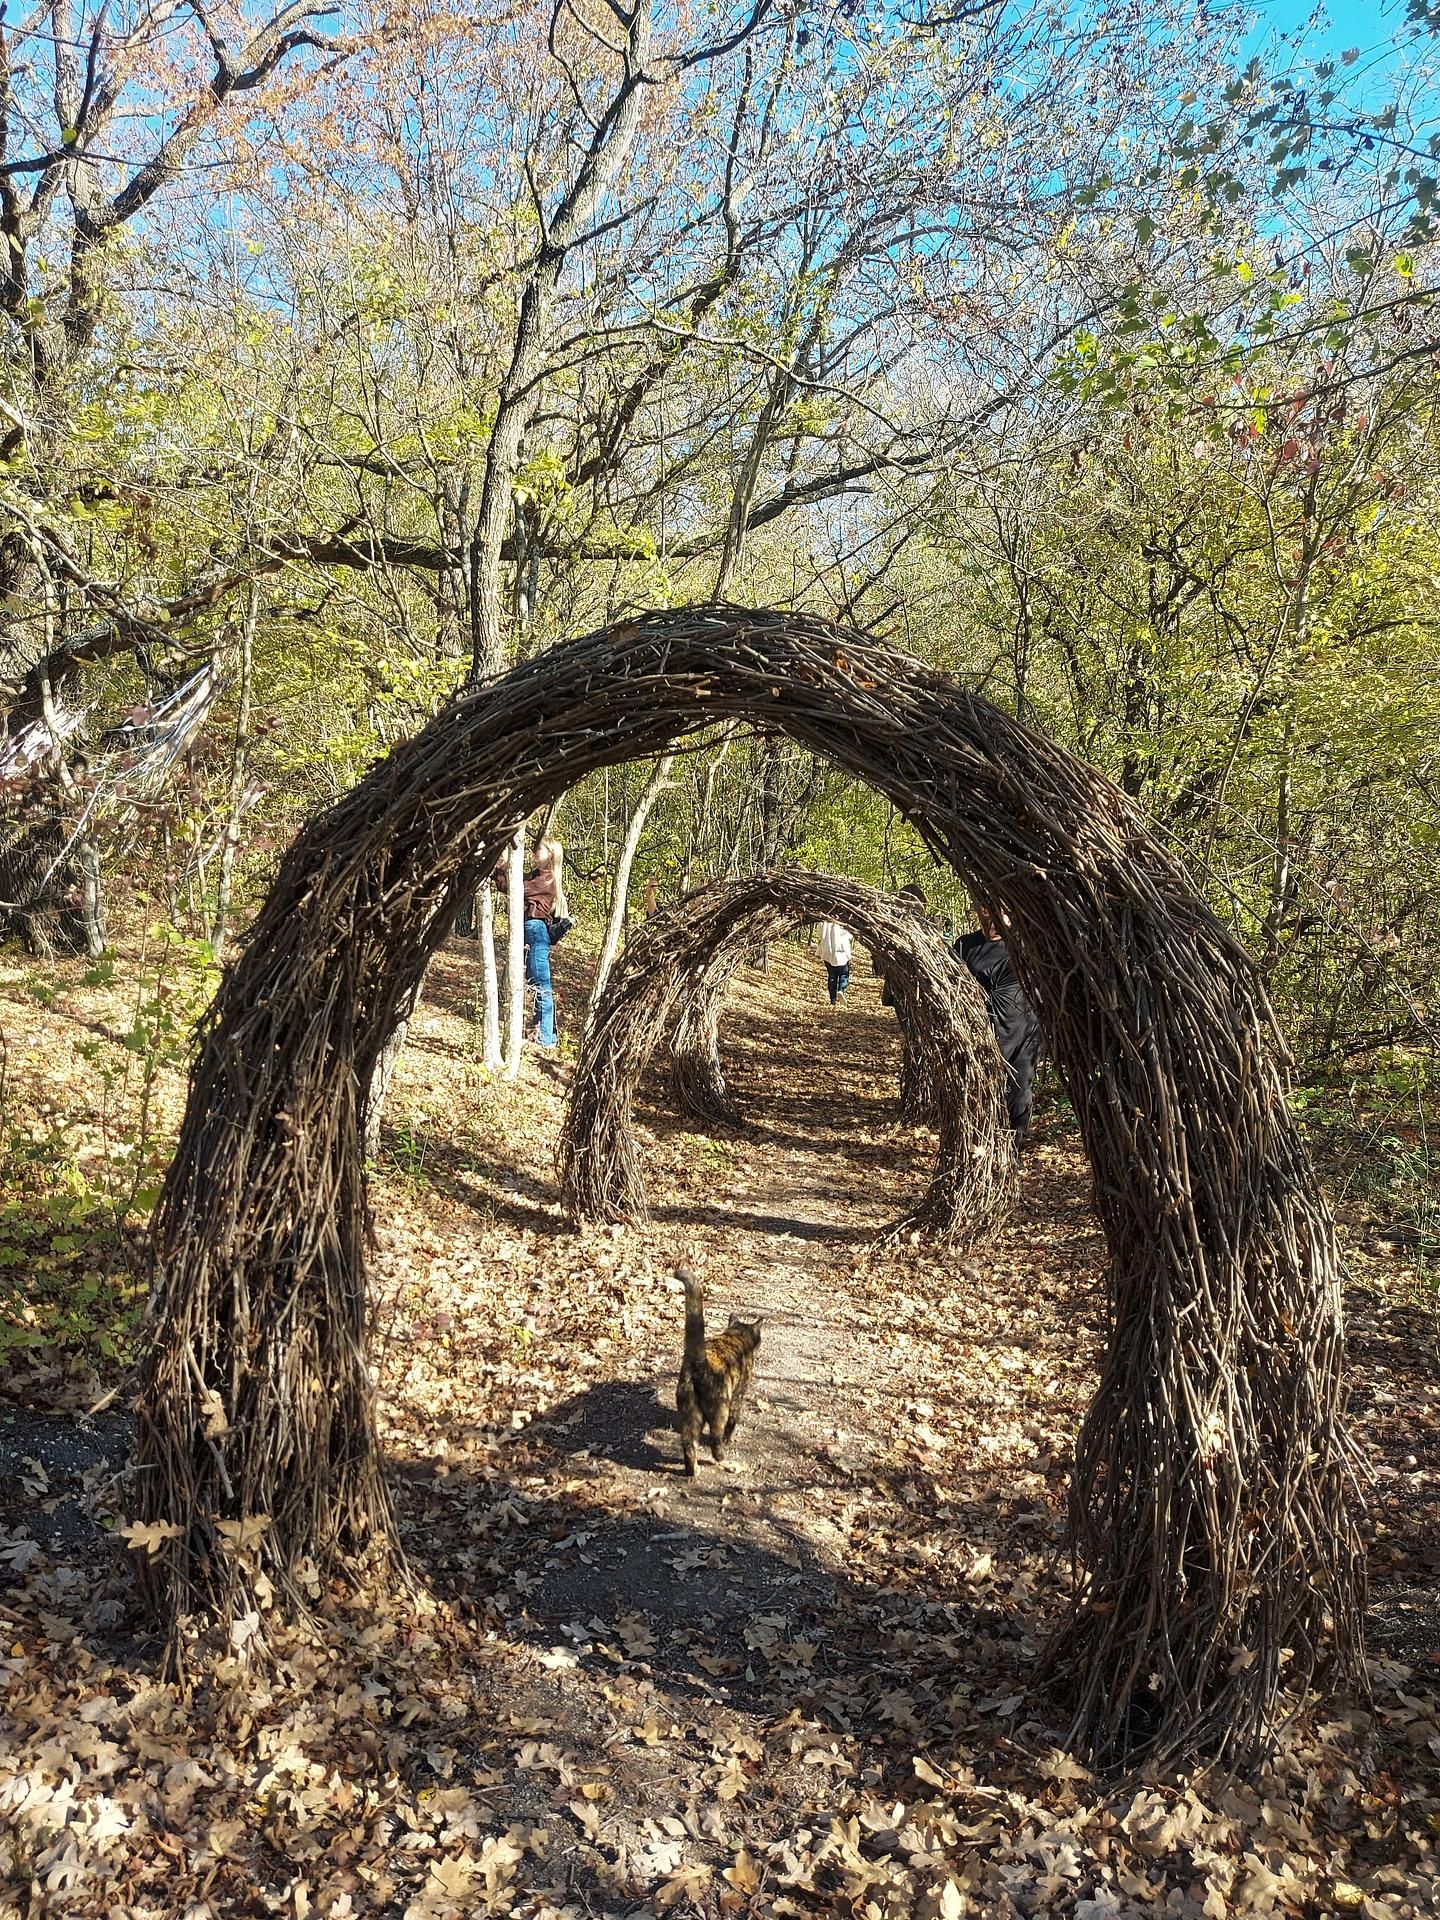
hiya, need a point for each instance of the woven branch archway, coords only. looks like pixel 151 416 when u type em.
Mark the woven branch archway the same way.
pixel 697 1080
pixel 697 944
pixel 1214 1540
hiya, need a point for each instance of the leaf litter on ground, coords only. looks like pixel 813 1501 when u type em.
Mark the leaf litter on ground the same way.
pixel 806 1686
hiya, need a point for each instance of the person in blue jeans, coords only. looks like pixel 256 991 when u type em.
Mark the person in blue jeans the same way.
pixel 538 982
pixel 545 923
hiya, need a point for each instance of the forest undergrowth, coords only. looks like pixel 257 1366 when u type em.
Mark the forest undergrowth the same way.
pixel 809 1683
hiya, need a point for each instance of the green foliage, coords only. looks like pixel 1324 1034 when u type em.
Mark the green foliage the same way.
pixel 72 1220
pixel 69 1285
pixel 1376 1136
pixel 175 982
pixel 410 1148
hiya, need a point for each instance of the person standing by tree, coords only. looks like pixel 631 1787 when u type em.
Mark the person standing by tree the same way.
pixel 835 952
pixel 547 921
pixel 1017 1031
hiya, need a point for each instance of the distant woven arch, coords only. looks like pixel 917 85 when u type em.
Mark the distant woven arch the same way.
pixel 1212 1508
pixel 690 952
pixel 697 1080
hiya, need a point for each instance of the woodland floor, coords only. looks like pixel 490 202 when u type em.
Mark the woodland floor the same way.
pixel 804 1684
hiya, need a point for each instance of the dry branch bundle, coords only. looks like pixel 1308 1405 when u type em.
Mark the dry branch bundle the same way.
pixel 697 1080
pixel 677 967
pixel 1213 1514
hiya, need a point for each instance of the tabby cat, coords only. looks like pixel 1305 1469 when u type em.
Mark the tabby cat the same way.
pixel 714 1375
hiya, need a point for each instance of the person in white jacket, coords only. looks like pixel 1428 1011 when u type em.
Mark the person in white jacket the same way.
pixel 835 952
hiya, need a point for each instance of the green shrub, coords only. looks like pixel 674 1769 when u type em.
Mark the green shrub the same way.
pixel 70 1292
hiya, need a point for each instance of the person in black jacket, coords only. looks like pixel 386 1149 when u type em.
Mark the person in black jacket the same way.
pixel 1017 1031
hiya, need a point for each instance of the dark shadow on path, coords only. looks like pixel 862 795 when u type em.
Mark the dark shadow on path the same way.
pixel 710 1615
pixel 612 1420
pixel 777 1224
pixel 50 1466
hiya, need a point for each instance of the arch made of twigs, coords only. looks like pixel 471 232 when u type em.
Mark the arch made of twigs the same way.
pixel 1213 1528
pixel 690 953
pixel 697 1080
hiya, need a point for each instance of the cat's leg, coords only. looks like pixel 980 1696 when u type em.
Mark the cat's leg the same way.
pixel 737 1401
pixel 720 1427
pixel 688 1408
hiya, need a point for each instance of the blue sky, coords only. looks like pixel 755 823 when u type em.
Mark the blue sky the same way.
pixel 1371 26
pixel 1368 24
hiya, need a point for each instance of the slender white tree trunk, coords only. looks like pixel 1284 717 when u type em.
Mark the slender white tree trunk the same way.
pixel 701 824
pixel 655 786
pixel 385 1072
pixel 239 771
pixel 515 1011
pixel 490 1054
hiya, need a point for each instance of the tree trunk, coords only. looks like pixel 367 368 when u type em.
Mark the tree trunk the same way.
pixel 239 768
pixel 490 1055
pixel 384 1073
pixel 551 816
pixel 523 385
pixel 659 780
pixel 520 395
pixel 737 525
pixel 515 984
pixel 707 798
